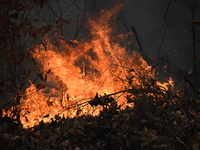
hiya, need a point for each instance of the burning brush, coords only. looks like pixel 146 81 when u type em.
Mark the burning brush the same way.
pixel 73 73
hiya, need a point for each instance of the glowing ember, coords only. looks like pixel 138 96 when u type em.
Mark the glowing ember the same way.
pixel 73 72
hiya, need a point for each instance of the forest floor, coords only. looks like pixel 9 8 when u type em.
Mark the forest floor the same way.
pixel 174 125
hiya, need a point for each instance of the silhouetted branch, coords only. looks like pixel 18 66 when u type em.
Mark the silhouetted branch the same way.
pixel 137 38
pixel 165 18
pixel 194 42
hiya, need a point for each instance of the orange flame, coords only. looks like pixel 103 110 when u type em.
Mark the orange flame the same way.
pixel 74 72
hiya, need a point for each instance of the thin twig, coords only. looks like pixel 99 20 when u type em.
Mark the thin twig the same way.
pixel 165 31
pixel 137 38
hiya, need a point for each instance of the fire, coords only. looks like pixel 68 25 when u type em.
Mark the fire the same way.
pixel 73 73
